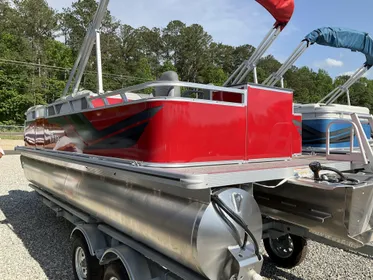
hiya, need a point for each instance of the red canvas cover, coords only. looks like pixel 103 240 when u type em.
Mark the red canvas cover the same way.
pixel 281 10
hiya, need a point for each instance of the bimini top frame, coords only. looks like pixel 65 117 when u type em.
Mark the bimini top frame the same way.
pixel 333 37
pixel 91 36
pixel 282 11
pixel 274 78
pixel 338 91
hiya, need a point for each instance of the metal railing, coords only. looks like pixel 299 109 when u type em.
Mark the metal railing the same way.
pixel 152 84
pixel 74 103
pixel 365 153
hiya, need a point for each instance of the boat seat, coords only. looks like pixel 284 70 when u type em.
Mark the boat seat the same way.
pixel 168 90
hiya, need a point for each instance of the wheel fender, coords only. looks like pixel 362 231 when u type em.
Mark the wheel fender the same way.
pixel 95 239
pixel 136 265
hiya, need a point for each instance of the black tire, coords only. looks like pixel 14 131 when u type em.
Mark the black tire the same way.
pixel 94 270
pixel 289 256
pixel 116 269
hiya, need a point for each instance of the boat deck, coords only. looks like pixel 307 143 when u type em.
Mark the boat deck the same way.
pixel 199 176
pixel 223 175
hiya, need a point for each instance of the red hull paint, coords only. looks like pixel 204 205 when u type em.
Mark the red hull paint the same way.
pixel 181 132
pixel 176 131
pixel 269 123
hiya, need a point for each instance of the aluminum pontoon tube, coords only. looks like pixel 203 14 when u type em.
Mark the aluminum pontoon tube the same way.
pixel 149 209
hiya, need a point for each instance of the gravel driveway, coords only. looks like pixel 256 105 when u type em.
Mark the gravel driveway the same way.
pixel 34 243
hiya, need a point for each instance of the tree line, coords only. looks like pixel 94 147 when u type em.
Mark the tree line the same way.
pixel 38 46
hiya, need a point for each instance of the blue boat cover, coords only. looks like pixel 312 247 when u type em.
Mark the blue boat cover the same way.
pixel 344 38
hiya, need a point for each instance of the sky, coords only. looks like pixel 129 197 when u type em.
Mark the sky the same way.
pixel 238 22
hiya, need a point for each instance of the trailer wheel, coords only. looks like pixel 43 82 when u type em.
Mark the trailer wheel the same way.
pixel 115 271
pixel 286 251
pixel 85 266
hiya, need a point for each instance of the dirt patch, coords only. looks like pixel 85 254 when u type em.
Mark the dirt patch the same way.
pixel 9 145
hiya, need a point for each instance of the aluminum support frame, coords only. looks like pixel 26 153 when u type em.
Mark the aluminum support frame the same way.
pixel 250 65
pixel 337 92
pixel 99 63
pixel 276 77
pixel 348 97
pixel 97 23
pixel 86 49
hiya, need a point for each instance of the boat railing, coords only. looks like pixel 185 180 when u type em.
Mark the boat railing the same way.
pixel 365 153
pixel 85 100
pixel 154 84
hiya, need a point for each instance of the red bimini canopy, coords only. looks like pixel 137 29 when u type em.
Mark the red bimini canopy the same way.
pixel 281 10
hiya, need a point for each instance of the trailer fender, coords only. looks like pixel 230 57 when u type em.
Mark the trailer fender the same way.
pixel 94 237
pixel 136 265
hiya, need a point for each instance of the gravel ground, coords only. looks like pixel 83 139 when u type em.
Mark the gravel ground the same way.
pixel 34 243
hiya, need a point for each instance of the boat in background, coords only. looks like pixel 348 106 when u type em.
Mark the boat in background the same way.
pixel 318 119
pixel 325 117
